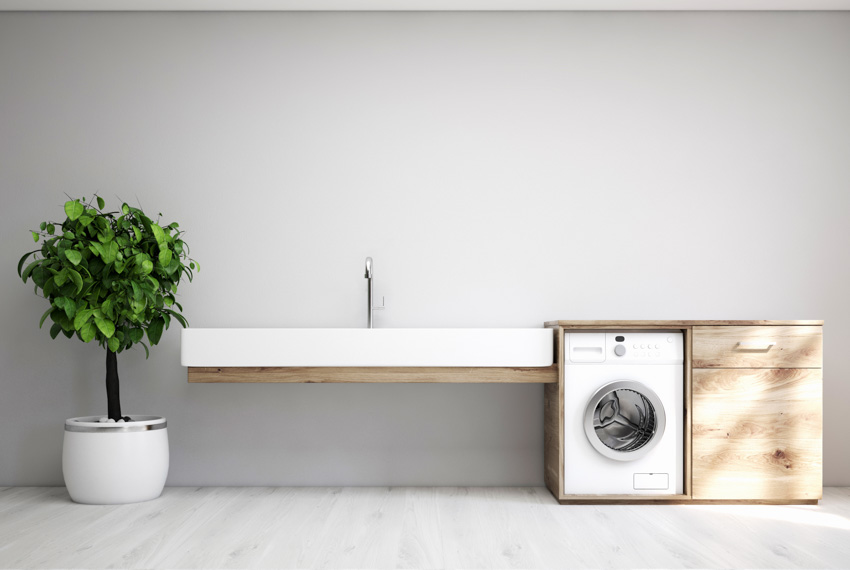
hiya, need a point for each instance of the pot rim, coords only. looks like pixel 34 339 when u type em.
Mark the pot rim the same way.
pixel 139 423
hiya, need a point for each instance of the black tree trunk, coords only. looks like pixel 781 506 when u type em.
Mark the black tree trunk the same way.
pixel 112 397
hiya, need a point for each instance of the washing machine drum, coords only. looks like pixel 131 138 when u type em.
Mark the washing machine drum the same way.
pixel 624 420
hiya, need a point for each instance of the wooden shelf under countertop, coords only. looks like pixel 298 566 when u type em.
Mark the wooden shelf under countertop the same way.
pixel 388 374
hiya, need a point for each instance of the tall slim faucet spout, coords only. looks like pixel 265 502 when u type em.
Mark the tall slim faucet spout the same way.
pixel 371 307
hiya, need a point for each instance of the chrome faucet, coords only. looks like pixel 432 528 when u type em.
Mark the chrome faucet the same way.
pixel 370 307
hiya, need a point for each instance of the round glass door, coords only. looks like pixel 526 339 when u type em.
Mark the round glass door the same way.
pixel 624 420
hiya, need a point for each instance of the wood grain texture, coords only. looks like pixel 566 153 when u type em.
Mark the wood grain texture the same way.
pixel 421 527
pixel 757 469
pixel 542 375
pixel 687 416
pixel 588 324
pixel 757 434
pixel 720 347
pixel 553 414
pixel 758 403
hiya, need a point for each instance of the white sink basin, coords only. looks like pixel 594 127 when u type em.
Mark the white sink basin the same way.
pixel 510 348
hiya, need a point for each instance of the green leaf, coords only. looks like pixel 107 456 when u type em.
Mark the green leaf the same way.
pixel 61 277
pixel 34 236
pixel 136 335
pixel 51 229
pixel 73 256
pixel 147 266
pixel 137 233
pixel 77 279
pixel 69 235
pixel 158 234
pixel 180 318
pixel 106 307
pixel 164 256
pixel 119 266
pixel 73 209
pixel 44 316
pixel 155 330
pixel 147 352
pixel 48 285
pixel 88 332
pixel 42 226
pixel 100 202
pixel 29 269
pixel 69 306
pixel 107 327
pixel 110 252
pixel 54 330
pixel 125 209
pixel 113 343
pixel 137 291
pixel 82 318
pixel 23 259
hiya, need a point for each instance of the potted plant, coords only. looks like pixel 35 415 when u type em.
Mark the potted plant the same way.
pixel 111 277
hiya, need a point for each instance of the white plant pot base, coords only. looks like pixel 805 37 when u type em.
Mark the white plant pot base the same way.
pixel 112 463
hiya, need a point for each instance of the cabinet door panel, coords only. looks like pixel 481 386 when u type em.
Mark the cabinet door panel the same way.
pixel 757 434
pixel 758 347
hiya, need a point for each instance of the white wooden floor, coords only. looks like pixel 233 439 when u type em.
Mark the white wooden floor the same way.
pixel 423 527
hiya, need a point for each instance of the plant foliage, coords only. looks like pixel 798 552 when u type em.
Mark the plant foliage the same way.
pixel 110 277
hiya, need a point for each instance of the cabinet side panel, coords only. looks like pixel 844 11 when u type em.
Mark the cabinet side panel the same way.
pixel 551 439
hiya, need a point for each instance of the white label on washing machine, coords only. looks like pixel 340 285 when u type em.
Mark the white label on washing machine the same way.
pixel 651 481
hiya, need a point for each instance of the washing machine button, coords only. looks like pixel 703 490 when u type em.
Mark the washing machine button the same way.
pixel 620 350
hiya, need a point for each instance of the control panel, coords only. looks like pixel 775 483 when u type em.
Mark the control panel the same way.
pixel 625 347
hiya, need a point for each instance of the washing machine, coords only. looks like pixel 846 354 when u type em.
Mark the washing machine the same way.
pixel 623 413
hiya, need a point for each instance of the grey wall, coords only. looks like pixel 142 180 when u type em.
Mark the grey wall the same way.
pixel 502 169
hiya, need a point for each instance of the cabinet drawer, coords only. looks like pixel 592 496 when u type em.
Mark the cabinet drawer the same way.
pixel 757 469
pixel 757 347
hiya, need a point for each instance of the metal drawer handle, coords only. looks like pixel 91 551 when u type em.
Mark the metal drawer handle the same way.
pixel 754 344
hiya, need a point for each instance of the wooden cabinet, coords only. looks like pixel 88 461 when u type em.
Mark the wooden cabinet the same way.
pixel 757 413
pixel 753 409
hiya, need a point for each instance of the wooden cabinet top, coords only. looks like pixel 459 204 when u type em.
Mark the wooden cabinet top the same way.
pixel 628 324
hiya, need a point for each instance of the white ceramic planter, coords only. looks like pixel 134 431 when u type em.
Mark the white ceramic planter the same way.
pixel 115 463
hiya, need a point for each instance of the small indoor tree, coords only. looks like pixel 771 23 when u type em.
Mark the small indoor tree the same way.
pixel 110 277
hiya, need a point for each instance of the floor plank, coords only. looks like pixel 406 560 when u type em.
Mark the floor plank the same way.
pixel 416 527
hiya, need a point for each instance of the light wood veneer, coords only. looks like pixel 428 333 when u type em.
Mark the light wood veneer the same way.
pixel 725 347
pixel 348 375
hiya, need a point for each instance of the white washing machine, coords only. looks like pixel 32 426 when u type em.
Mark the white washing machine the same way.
pixel 623 413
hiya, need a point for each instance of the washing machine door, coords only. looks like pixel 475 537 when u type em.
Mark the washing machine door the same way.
pixel 624 420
